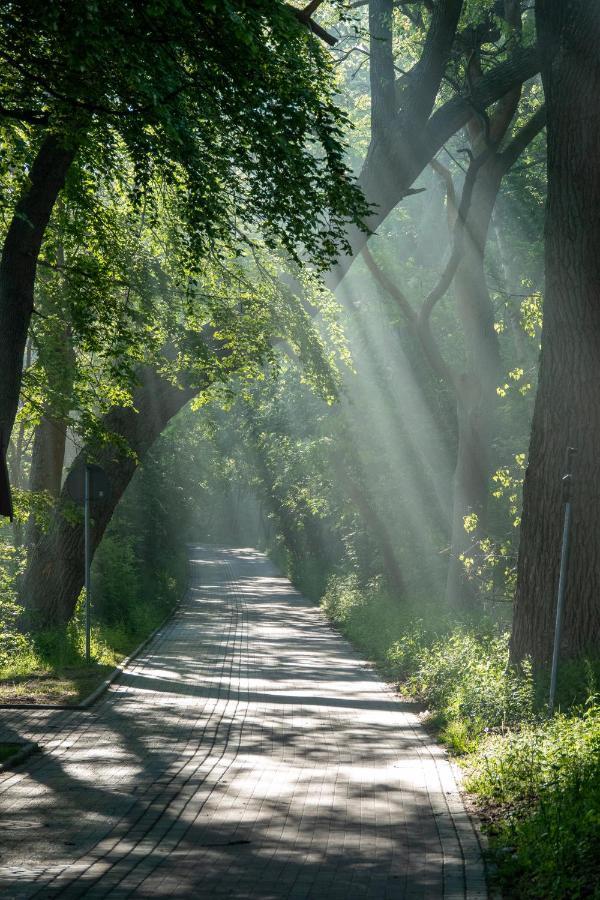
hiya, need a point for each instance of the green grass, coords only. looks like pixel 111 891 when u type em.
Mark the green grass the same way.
pixel 49 684
pixel 50 666
pixel 540 788
pixel 536 781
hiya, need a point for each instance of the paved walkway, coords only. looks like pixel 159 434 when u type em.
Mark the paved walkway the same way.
pixel 246 753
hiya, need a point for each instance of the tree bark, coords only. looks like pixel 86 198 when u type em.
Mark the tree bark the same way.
pixel 48 455
pixel 50 437
pixel 567 412
pixel 54 576
pixel 18 265
pixel 17 458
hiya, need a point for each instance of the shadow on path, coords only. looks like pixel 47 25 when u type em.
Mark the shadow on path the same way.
pixel 247 753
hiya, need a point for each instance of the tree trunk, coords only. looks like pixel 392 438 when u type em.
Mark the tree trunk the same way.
pixel 48 455
pixel 16 461
pixel 476 390
pixel 47 458
pixel 378 532
pixel 19 262
pixel 49 442
pixel 54 576
pixel 567 412
pixel 470 489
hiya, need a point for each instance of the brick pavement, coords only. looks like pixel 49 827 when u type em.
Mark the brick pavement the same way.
pixel 246 753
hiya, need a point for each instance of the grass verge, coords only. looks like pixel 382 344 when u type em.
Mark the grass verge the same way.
pixel 50 666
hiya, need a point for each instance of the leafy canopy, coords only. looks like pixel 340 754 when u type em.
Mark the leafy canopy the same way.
pixel 231 102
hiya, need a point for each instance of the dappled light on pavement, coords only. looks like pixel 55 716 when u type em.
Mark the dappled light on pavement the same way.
pixel 248 752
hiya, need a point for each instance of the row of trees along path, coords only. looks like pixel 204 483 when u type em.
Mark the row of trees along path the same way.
pixel 71 109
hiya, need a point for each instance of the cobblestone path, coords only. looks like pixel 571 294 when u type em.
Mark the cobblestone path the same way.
pixel 247 753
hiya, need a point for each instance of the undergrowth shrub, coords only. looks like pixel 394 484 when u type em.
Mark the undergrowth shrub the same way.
pixel 129 599
pixel 372 618
pixel 464 677
pixel 543 781
pixel 13 643
pixel 456 667
pixel 132 594
pixel 116 582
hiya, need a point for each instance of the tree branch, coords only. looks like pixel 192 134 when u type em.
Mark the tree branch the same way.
pixel 522 139
pixel 425 336
pixel 446 121
pixel 304 16
pixel 381 72
pixel 24 115
pixel 445 279
pixel 451 204
pixel 389 287
pixel 386 180
pixel 310 8
pixel 427 75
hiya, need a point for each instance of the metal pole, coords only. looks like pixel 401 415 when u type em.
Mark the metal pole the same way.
pixel 86 503
pixel 567 483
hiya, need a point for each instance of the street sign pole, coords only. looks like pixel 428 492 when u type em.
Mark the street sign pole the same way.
pixel 87 483
pixel 87 555
pixel 567 483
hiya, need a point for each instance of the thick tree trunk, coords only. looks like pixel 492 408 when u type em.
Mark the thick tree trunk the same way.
pixel 567 411
pixel 47 459
pixel 19 262
pixel 48 455
pixel 54 577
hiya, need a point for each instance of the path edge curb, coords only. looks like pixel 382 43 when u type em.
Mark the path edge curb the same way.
pixel 104 685
pixel 120 668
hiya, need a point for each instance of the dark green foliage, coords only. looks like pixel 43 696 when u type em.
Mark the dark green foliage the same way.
pixel 231 103
pixel 545 782
pixel 140 570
